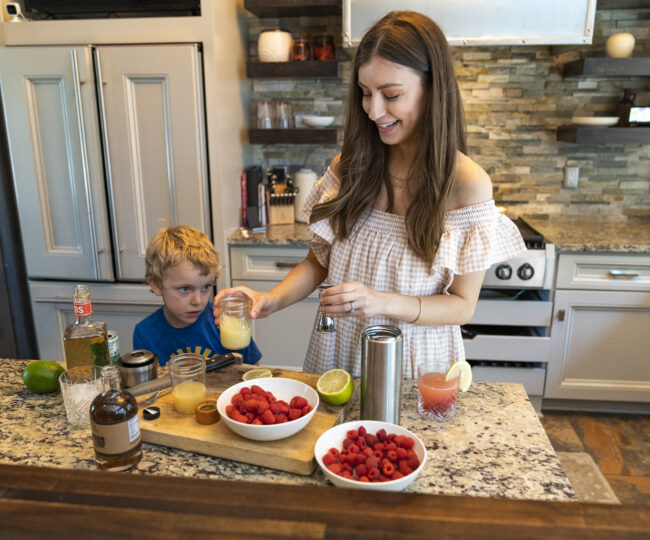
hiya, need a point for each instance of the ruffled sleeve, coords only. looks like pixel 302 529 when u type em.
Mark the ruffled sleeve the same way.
pixel 324 190
pixel 476 237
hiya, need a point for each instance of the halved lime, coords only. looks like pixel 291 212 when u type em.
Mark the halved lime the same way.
pixel 462 369
pixel 335 386
pixel 257 373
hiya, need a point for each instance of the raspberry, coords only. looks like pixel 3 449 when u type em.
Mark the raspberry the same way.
pixel 229 409
pixel 258 390
pixel 361 469
pixel 267 417
pixel 408 443
pixel 381 435
pixel 361 443
pixel 390 446
pixel 413 462
pixel 334 452
pixel 298 402
pixel 346 474
pixel 372 462
pixel 404 468
pixel 306 410
pixel 336 468
pixel 401 453
pixel 373 473
pixel 294 414
pixel 367 452
pixel 328 459
pixel 257 422
pixel 245 390
pixel 250 405
pixel 262 405
pixel 347 442
pixel 378 447
pixel 396 475
pixel 362 431
pixel 371 439
pixel 353 434
pixel 281 418
pixel 391 455
pixel 364 479
pixel 239 417
pixel 354 449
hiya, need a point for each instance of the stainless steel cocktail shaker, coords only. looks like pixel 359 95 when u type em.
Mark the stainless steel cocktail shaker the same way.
pixel 381 373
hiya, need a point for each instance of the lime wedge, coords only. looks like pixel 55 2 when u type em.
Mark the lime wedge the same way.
pixel 257 373
pixel 462 369
pixel 335 386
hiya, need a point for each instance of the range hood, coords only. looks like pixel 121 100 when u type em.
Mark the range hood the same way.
pixel 484 22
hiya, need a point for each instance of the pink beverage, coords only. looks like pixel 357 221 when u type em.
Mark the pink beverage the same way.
pixel 436 396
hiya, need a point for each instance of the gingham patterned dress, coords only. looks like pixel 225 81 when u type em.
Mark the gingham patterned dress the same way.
pixel 377 254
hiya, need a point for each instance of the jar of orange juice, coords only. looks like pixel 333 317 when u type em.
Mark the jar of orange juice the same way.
pixel 235 322
pixel 187 372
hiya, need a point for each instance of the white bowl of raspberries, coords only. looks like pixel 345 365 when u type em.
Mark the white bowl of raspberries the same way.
pixel 268 409
pixel 370 454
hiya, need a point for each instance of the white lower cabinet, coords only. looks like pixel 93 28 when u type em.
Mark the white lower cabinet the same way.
pixel 284 336
pixel 600 336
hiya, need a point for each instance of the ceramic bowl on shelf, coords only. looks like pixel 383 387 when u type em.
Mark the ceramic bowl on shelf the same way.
pixel 595 120
pixel 334 437
pixel 282 389
pixel 317 121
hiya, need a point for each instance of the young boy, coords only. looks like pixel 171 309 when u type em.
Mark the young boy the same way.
pixel 182 266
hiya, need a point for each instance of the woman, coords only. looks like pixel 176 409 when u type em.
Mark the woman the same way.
pixel 404 222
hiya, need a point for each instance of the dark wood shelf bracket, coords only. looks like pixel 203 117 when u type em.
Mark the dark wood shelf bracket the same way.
pixel 293 136
pixel 604 135
pixel 607 67
pixel 294 70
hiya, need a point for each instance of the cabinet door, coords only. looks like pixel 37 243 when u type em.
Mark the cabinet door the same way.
pixel 284 336
pixel 599 346
pixel 120 306
pixel 51 115
pixel 154 141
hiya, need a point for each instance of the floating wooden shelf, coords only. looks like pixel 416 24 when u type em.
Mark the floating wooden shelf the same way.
pixel 294 70
pixel 293 8
pixel 604 135
pixel 608 67
pixel 292 136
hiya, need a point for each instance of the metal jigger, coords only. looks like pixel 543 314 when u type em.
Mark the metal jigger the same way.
pixel 325 324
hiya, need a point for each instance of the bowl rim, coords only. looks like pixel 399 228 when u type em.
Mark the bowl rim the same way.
pixel 264 427
pixel 354 424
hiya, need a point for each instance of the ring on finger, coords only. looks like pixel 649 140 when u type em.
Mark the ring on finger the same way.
pixel 351 307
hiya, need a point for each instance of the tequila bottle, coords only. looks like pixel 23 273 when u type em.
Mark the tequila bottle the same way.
pixel 85 341
pixel 115 425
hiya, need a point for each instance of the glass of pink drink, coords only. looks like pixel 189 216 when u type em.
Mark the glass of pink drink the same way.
pixel 436 396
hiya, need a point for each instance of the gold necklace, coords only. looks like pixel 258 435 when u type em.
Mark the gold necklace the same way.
pixel 399 183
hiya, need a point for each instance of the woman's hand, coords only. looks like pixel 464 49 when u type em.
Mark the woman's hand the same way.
pixel 263 304
pixel 351 299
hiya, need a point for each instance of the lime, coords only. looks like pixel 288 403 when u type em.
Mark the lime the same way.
pixel 462 369
pixel 257 373
pixel 335 386
pixel 42 376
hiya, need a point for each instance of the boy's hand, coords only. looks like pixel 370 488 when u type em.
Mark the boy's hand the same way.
pixel 262 303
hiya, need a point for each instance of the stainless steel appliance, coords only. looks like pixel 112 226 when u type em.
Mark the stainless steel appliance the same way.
pixel 508 338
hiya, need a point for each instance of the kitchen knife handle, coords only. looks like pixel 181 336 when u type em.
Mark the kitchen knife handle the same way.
pixel 150 386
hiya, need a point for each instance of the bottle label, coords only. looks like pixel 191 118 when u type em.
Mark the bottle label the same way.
pixel 82 308
pixel 116 439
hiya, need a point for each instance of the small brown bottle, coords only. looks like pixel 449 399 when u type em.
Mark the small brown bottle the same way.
pixel 115 425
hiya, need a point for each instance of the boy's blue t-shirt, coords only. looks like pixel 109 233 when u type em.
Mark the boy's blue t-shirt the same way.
pixel 155 334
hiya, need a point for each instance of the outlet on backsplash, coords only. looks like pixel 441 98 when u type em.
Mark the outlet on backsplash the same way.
pixel 571 177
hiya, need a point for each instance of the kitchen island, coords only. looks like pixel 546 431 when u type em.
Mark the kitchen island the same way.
pixel 495 446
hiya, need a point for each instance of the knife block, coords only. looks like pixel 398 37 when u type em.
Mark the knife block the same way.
pixel 281 215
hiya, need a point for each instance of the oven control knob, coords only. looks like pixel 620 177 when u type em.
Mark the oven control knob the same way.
pixel 504 271
pixel 525 271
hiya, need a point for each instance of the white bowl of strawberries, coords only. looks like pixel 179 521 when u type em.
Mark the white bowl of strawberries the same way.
pixel 268 409
pixel 370 454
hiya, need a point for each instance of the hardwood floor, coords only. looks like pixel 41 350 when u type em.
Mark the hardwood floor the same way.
pixel 619 444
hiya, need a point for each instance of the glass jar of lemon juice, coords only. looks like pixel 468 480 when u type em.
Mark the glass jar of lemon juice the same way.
pixel 235 322
pixel 187 372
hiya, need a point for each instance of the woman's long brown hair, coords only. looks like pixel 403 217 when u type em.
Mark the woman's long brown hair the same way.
pixel 410 39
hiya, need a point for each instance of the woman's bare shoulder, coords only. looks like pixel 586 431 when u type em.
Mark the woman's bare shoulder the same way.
pixel 472 185
pixel 334 165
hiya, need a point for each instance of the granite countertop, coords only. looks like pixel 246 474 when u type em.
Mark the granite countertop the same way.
pixel 495 446
pixel 592 235
pixel 295 234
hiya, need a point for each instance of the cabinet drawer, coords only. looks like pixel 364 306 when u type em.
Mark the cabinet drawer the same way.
pixel 264 263
pixel 604 272
pixel 531 378
pixel 508 348
pixel 513 312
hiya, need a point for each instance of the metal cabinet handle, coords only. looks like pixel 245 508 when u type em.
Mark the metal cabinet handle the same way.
pixel 281 264
pixel 624 274
pixel 560 315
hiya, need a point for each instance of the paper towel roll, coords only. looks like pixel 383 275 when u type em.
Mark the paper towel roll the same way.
pixel 304 180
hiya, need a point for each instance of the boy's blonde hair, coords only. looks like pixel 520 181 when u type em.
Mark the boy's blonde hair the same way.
pixel 173 245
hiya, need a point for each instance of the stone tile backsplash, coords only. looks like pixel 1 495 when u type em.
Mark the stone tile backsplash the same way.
pixel 515 98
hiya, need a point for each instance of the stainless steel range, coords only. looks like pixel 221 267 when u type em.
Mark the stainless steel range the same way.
pixel 507 339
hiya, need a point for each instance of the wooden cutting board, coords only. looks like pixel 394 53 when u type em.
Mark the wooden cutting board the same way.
pixel 294 454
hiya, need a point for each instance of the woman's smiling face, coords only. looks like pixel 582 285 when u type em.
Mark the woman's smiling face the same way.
pixel 393 98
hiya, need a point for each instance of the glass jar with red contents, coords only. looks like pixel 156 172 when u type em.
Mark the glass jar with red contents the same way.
pixel 324 48
pixel 301 50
